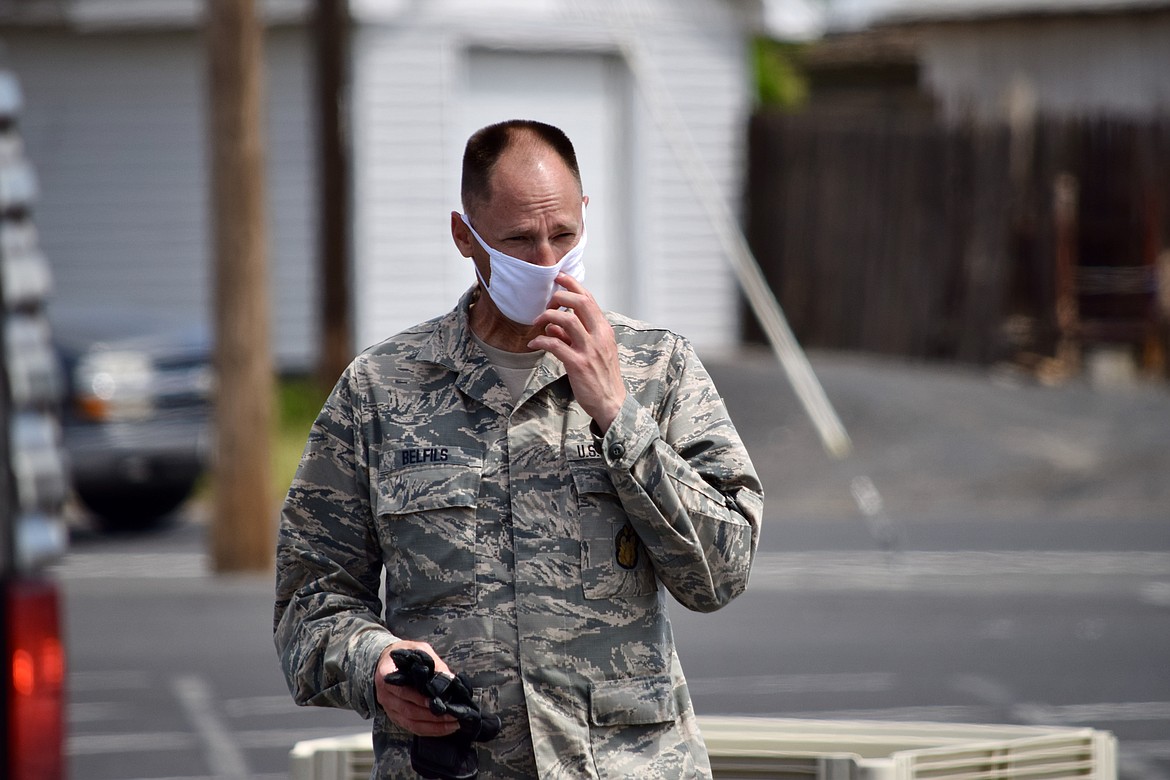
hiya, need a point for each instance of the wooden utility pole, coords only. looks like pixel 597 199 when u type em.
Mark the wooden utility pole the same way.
pixel 332 53
pixel 242 532
pixel 1065 205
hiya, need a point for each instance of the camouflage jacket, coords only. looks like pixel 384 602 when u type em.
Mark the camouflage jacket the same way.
pixel 532 554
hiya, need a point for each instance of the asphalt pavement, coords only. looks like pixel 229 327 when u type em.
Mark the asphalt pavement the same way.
pixel 955 456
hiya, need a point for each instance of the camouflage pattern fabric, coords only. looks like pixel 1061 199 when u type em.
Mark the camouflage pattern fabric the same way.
pixel 534 555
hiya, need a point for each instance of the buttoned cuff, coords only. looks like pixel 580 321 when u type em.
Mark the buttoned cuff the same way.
pixel 628 436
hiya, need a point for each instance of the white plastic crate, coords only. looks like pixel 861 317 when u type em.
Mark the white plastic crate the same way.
pixel 333 758
pixel 743 748
pixel 757 747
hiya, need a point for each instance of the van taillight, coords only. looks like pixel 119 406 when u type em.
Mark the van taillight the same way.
pixel 36 664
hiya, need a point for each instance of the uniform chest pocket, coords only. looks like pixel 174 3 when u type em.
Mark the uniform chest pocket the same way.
pixel 427 530
pixel 613 561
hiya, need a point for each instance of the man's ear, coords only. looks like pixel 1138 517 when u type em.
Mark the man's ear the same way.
pixel 462 237
pixel 466 244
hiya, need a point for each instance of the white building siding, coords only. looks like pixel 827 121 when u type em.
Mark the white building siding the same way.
pixel 406 70
pixel 116 125
pixel 293 210
pixel 1069 66
pixel 403 254
pixel 703 71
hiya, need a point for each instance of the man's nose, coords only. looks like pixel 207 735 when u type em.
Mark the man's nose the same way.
pixel 545 254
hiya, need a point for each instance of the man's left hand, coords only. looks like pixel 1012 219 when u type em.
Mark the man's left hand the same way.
pixel 575 330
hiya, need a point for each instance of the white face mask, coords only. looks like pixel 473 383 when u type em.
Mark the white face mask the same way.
pixel 522 290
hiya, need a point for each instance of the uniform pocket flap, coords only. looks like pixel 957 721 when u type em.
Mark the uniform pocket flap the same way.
pixel 591 477
pixel 635 701
pixel 426 487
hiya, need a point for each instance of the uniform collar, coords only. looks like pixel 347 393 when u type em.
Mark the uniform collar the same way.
pixel 452 346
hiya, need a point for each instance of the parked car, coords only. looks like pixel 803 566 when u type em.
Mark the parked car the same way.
pixel 137 418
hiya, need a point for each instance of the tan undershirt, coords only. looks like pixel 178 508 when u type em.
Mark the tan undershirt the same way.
pixel 514 368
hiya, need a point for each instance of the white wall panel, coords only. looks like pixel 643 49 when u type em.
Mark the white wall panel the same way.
pixel 401 239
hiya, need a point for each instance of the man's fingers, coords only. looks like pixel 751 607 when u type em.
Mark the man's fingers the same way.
pixel 577 297
pixel 558 323
pixel 414 705
pixel 583 340
pixel 557 332
pixel 411 710
pixel 571 284
pixel 417 718
pixel 404 705
pixel 560 339
pixel 433 730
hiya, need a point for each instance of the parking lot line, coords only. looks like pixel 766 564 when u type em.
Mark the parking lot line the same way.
pixel 223 754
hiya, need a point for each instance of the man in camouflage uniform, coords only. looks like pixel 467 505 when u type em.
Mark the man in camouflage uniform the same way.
pixel 532 491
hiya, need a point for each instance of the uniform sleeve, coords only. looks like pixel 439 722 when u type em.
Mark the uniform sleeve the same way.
pixel 688 486
pixel 327 625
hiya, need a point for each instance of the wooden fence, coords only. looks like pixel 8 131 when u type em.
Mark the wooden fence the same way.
pixel 907 237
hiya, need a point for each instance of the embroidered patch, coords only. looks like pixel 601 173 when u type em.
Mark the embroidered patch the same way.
pixel 626 547
pixel 584 450
pixel 428 454
pixel 422 455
